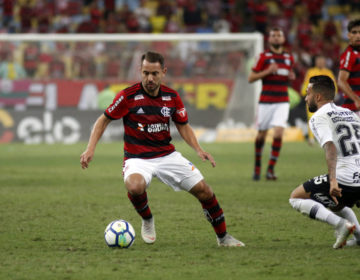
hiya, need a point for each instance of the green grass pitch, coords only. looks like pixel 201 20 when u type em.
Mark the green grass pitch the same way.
pixel 53 215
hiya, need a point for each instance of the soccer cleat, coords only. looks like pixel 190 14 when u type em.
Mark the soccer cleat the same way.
pixel 352 242
pixel 343 231
pixel 271 176
pixel 229 241
pixel 148 233
pixel 256 177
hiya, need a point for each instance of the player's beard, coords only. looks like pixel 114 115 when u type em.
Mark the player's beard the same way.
pixel 151 87
pixel 276 46
pixel 356 46
pixel 312 107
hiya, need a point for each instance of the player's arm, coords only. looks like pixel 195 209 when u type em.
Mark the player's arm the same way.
pixel 187 133
pixel 254 76
pixel 331 159
pixel 345 87
pixel 96 133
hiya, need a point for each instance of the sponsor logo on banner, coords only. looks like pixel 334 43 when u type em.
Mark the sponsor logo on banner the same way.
pixel 7 122
pixel 33 130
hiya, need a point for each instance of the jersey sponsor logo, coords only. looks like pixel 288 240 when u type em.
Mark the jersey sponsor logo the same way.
pixel 181 112
pixel 157 127
pixel 341 113
pixel 323 199
pixel 153 128
pixel 139 97
pixel 116 104
pixel 140 127
pixel 192 166
pixel 356 177
pixel 283 72
pixel 166 98
pixel 165 111
pixel 347 59
pixel 140 111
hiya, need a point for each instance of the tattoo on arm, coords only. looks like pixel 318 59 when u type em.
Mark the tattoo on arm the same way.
pixel 331 158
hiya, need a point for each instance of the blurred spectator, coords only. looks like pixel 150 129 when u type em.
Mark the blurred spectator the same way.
pixel 8 13
pixel 31 58
pixel 165 9
pixel 319 68
pixel 313 27
pixel 330 29
pixel 10 69
pixel 143 14
pixel 26 15
pixel 314 9
pixel 260 11
pixel 192 16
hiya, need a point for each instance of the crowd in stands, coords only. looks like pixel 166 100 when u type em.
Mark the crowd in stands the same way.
pixel 311 27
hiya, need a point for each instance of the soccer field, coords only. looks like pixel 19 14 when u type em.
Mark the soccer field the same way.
pixel 53 216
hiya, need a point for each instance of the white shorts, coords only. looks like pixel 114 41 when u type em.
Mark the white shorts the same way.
pixel 174 170
pixel 270 115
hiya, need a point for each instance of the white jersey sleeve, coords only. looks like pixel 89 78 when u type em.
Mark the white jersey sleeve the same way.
pixel 321 129
pixel 342 127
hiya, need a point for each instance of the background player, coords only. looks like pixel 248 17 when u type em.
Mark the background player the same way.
pixel 319 68
pixel 274 69
pixel 146 109
pixel 349 74
pixel 338 131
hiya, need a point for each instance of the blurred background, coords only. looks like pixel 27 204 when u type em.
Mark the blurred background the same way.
pixel 53 90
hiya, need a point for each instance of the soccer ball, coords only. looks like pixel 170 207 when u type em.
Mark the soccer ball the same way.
pixel 119 233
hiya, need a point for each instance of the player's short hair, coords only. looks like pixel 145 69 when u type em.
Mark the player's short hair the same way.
pixel 324 85
pixel 353 23
pixel 153 57
pixel 276 29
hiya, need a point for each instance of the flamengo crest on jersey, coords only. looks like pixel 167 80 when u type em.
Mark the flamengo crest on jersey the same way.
pixel 342 127
pixel 147 120
pixel 350 61
pixel 275 86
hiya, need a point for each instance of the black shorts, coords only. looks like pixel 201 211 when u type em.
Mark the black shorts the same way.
pixel 319 188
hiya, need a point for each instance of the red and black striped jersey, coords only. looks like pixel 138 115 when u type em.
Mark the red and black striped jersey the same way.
pixel 275 86
pixel 147 120
pixel 350 61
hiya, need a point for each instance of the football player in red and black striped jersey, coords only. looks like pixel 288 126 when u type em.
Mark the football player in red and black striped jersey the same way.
pixel 146 109
pixel 274 68
pixel 349 74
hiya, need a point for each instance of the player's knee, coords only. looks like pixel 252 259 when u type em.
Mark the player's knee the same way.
pixel 202 191
pixel 297 192
pixel 295 203
pixel 307 207
pixel 135 185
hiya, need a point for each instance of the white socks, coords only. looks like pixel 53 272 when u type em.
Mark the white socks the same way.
pixel 315 210
pixel 348 214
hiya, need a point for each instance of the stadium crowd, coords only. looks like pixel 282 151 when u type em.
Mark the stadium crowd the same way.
pixel 311 27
